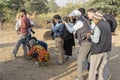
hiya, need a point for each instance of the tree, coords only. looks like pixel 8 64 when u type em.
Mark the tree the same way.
pixel 39 5
pixel 107 5
pixel 53 7
pixel 11 7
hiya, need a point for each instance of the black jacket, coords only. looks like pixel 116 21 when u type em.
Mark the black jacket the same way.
pixel 105 41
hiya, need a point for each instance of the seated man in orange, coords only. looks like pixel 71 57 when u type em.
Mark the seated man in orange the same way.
pixel 38 52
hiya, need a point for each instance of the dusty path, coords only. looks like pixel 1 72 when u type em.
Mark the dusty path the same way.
pixel 21 69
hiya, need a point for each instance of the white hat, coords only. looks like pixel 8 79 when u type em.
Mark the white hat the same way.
pixel 98 15
pixel 75 13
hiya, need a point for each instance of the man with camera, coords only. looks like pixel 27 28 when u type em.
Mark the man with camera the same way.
pixel 57 28
pixel 101 46
pixel 68 39
pixel 81 27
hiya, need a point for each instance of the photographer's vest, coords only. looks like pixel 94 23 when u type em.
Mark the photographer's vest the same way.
pixel 81 33
pixel 105 43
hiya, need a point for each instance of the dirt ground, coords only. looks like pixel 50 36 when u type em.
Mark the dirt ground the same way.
pixel 22 69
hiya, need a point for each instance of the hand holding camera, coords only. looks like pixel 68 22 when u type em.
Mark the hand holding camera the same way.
pixel 91 32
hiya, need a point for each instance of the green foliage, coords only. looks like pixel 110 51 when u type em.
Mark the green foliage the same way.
pixel 106 5
pixel 46 10
pixel 10 7
pixel 39 5
pixel 53 7
pixel 67 9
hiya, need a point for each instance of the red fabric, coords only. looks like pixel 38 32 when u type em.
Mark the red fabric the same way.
pixel 25 24
pixel 43 55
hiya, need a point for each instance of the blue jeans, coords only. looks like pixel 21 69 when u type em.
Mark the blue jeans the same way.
pixel 23 40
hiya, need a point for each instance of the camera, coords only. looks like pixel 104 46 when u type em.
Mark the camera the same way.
pixel 59 21
pixel 64 19
pixel 49 21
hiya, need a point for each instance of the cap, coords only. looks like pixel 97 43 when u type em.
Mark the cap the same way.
pixel 98 14
pixel 75 13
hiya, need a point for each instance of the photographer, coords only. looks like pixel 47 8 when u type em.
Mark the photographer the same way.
pixel 101 46
pixel 57 28
pixel 80 27
pixel 68 39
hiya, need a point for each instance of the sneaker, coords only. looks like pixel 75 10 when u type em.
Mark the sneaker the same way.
pixel 109 77
pixel 85 72
pixel 77 78
pixel 36 64
pixel 114 34
pixel 59 63
pixel 44 63
pixel 67 58
pixel 13 56
pixel 28 57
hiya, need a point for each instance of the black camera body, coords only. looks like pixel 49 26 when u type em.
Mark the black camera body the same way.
pixel 59 21
pixel 49 21
pixel 64 19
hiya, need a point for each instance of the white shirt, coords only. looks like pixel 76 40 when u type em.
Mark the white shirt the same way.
pixel 74 28
pixel 96 35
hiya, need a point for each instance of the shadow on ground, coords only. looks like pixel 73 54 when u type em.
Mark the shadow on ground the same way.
pixel 22 69
pixel 7 45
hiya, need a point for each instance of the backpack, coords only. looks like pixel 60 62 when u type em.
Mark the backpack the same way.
pixel 111 20
pixel 52 34
pixel 39 53
pixel 65 34
pixel 81 33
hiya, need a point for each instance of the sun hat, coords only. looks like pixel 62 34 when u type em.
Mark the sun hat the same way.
pixel 75 13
